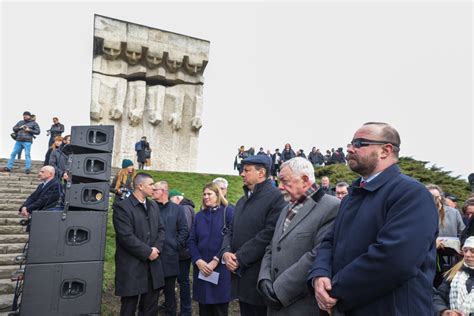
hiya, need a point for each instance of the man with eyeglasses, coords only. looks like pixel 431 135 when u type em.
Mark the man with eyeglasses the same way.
pixel 176 233
pixel 379 259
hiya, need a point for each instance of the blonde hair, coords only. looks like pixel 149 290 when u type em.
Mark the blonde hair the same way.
pixel 122 178
pixel 439 202
pixel 449 275
pixel 221 200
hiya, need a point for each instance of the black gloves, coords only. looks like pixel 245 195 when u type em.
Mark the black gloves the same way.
pixel 265 288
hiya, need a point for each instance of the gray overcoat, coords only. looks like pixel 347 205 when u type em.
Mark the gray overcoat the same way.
pixel 290 255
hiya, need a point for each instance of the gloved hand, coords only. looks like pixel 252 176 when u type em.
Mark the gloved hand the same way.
pixel 265 288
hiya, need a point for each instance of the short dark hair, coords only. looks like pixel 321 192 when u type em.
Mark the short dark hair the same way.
pixel 140 177
pixel 467 203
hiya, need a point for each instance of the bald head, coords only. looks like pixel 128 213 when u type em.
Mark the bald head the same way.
pixel 374 147
pixel 387 133
pixel 46 173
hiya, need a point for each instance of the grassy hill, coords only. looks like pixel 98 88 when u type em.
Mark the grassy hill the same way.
pixel 191 185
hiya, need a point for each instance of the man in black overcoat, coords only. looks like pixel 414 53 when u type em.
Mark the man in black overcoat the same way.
pixel 255 217
pixel 140 236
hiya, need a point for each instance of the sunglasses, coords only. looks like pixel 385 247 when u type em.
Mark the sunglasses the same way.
pixel 363 142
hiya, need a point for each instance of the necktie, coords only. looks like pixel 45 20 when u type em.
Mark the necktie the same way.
pixel 362 183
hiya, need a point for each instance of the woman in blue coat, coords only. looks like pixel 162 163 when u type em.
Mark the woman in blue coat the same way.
pixel 204 245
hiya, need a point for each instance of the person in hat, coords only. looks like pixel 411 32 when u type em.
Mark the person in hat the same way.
pixel 255 217
pixel 177 197
pixel 450 200
pixel 25 131
pixel 455 296
pixel 122 184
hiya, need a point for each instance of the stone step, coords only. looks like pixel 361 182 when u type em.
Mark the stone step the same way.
pixel 20 192
pixel 6 301
pixel 7 286
pixel 13 239
pixel 31 186
pixel 8 176
pixel 15 196
pixel 6 271
pixel 11 212
pixel 7 259
pixel 15 202
pixel 12 248
pixel 12 229
pixel 10 221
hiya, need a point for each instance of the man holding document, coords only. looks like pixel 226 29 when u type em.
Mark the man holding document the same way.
pixel 211 279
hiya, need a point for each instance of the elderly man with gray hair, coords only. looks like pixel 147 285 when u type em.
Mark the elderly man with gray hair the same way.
pixel 298 232
pixel 46 194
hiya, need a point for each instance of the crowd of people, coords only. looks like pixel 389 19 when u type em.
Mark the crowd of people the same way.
pixel 375 247
pixel 317 159
pixel 384 245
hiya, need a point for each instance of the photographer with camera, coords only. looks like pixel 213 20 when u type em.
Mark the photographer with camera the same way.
pixel 122 183
pixel 25 130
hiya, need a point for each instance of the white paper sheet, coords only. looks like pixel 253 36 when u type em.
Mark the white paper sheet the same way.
pixel 213 278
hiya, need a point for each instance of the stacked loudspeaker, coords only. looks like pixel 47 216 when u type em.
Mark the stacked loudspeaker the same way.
pixel 65 257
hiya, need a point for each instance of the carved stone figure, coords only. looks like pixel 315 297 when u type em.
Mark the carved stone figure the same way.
pixel 149 82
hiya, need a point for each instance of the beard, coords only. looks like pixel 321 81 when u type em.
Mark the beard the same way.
pixel 363 165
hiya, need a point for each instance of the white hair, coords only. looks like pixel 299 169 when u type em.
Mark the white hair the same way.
pixel 221 180
pixel 300 167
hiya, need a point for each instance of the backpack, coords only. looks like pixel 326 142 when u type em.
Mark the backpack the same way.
pixel 138 146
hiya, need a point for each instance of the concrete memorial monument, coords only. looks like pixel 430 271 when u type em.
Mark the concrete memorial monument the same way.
pixel 149 82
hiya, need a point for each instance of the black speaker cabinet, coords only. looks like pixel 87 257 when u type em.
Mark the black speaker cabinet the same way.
pixel 92 138
pixel 90 167
pixel 90 196
pixel 79 237
pixel 72 288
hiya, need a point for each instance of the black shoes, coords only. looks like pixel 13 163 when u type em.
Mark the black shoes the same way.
pixel 5 169
pixel 27 171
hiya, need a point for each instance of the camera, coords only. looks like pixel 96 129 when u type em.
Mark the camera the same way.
pixel 125 193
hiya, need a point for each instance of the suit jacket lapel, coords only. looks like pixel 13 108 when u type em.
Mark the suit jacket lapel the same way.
pixel 308 206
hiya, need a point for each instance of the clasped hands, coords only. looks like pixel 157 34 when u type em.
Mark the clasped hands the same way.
pixel 322 286
pixel 231 262
pixel 155 253
pixel 207 268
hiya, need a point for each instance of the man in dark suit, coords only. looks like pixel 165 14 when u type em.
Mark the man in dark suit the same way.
pixel 140 236
pixel 380 257
pixel 176 234
pixel 299 230
pixel 243 247
pixel 46 194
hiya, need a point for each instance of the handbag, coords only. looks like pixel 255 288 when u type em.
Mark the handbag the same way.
pixel 147 153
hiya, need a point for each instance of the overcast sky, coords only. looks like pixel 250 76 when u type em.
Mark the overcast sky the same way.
pixel 306 73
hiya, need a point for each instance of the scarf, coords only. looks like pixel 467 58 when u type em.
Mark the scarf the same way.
pixel 459 298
